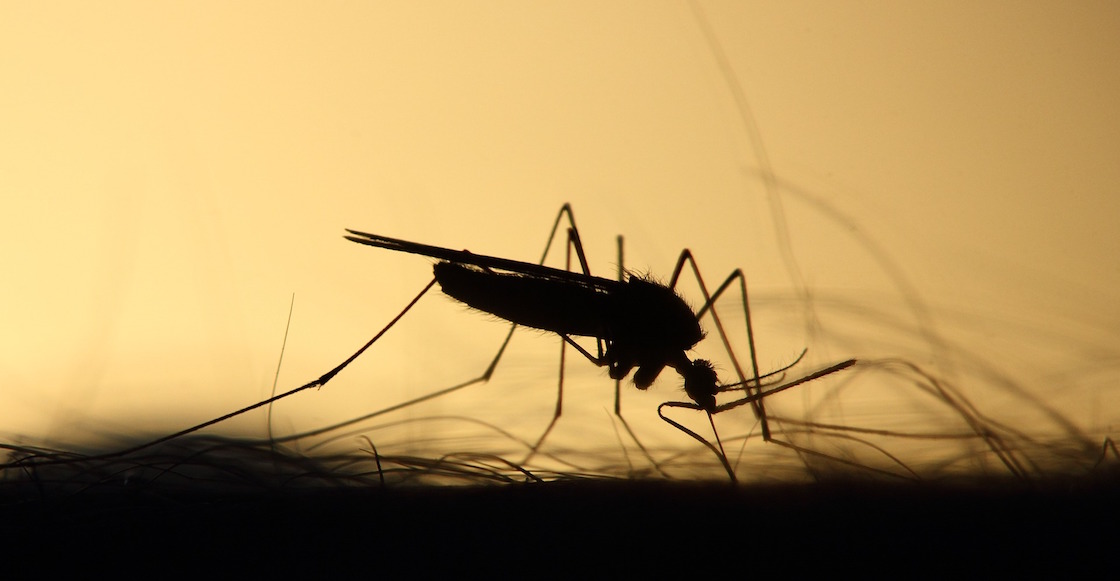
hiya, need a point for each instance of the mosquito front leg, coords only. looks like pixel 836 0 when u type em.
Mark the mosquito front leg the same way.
pixel 751 386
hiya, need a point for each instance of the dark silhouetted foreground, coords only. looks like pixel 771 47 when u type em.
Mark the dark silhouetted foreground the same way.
pixel 254 517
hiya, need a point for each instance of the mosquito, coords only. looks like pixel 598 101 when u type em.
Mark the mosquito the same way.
pixel 639 325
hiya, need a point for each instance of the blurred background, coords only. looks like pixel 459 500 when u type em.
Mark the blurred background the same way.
pixel 928 188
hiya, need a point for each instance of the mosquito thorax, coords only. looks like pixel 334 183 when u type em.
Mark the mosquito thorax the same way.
pixel 701 384
pixel 653 315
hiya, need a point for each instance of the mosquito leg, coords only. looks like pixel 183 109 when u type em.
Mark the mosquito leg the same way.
pixel 601 361
pixel 718 452
pixel 49 459
pixel 574 243
pixel 750 387
pixel 565 210
pixel 598 361
pixel 330 374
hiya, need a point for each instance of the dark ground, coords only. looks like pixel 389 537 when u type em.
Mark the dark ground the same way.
pixel 599 528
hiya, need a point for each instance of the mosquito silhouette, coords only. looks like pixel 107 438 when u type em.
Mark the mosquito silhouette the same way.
pixel 638 324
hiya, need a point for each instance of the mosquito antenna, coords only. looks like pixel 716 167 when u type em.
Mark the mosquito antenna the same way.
pixel 757 382
pixel 815 375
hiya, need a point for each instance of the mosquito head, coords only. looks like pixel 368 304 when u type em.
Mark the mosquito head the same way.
pixel 701 384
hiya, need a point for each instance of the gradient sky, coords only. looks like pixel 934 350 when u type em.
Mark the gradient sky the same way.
pixel 173 172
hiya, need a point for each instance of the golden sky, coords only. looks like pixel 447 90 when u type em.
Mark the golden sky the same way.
pixel 944 178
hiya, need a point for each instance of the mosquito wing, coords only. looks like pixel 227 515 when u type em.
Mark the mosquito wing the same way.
pixel 490 262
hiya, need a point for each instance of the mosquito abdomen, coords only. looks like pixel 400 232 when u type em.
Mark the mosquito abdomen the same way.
pixel 554 305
